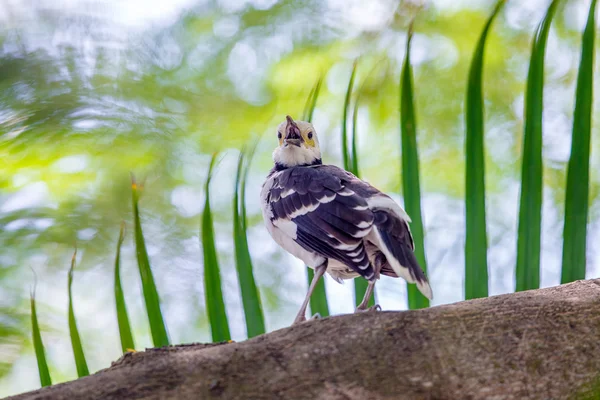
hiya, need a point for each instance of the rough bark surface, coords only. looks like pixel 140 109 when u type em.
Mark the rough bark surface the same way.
pixel 540 344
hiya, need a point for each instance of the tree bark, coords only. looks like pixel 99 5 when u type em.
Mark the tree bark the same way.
pixel 539 344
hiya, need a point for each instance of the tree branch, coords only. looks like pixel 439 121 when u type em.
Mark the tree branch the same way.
pixel 538 344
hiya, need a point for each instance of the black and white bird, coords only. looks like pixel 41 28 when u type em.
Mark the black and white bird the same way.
pixel 333 221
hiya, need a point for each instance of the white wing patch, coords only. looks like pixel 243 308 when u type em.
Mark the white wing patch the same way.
pixel 287 193
pixel 327 199
pixel 302 211
pixel 346 192
pixel 387 203
pixel 287 226
pixel 363 225
pixel 344 246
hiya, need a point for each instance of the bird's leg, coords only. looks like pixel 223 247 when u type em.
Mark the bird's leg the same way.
pixel 319 271
pixel 365 301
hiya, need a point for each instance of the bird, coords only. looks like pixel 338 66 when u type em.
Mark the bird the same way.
pixel 333 221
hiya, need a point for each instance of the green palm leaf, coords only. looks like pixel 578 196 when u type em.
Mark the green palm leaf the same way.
pixel 476 268
pixel 311 101
pixel 353 147
pixel 38 345
pixel 160 336
pixel 80 362
pixel 530 210
pixel 215 305
pixel 255 322
pixel 410 171
pixel 360 285
pixel 122 316
pixel 345 153
pixel 318 300
pixel 578 173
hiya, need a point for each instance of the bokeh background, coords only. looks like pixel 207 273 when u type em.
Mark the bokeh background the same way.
pixel 91 90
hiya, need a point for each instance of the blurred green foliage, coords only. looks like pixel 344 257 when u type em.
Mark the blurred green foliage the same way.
pixel 85 100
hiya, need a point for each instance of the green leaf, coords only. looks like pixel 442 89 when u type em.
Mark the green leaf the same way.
pixel 318 300
pixel 82 368
pixel 38 345
pixel 255 322
pixel 476 268
pixel 311 101
pixel 345 154
pixel 160 336
pixel 360 285
pixel 411 186
pixel 578 172
pixel 530 210
pixel 243 184
pixel 122 316
pixel 215 305
pixel 354 151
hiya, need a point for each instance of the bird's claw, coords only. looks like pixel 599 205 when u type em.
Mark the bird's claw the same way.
pixel 374 308
pixel 302 319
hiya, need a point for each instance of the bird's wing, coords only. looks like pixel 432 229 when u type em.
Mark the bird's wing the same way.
pixel 391 229
pixel 396 242
pixel 316 208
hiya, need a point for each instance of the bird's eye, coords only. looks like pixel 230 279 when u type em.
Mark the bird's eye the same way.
pixel 310 135
pixel 279 135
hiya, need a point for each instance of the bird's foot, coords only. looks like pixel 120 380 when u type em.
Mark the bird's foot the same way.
pixel 375 308
pixel 301 318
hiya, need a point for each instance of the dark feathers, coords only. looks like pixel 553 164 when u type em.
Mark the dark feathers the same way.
pixel 333 213
pixel 331 218
pixel 396 236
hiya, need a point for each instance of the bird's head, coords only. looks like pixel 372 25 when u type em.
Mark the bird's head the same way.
pixel 298 144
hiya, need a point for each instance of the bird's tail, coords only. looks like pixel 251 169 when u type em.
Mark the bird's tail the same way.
pixel 395 242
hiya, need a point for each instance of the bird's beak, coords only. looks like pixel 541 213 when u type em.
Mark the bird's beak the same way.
pixel 292 133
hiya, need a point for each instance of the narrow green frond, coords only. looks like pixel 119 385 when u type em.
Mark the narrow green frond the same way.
pixel 578 173
pixel 345 153
pixel 38 345
pixel 215 306
pixel 476 266
pixel 122 316
pixel 249 157
pixel 353 141
pixel 530 209
pixel 255 323
pixel 80 362
pixel 311 100
pixel 360 285
pixel 307 104
pixel 354 151
pixel 351 165
pixel 160 336
pixel 318 300
pixel 411 186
